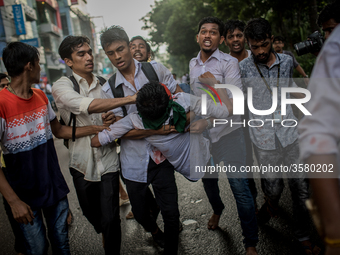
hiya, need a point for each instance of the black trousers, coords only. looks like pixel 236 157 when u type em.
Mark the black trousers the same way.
pixel 99 202
pixel 163 182
pixel 150 199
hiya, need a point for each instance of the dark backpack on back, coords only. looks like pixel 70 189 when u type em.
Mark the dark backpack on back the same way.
pixel 148 71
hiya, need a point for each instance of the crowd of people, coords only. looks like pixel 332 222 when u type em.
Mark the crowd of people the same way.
pixel 162 129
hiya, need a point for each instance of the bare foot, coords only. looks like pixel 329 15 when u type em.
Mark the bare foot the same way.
pixel 310 248
pixel 251 251
pixel 123 201
pixel 213 222
pixel 129 216
pixel 124 197
pixel 122 192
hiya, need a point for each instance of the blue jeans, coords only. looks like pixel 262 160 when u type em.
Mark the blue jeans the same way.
pixel 231 150
pixel 35 235
pixel 272 184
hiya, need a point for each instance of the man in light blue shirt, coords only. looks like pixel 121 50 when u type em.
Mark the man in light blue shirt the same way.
pixel 213 66
pixel 139 167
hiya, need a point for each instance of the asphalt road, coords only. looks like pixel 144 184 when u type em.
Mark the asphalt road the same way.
pixel 276 237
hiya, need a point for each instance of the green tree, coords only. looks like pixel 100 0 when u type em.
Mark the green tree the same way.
pixel 175 23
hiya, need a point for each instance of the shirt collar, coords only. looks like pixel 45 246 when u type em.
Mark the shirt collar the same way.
pixel 278 60
pixel 79 79
pixel 216 55
pixel 120 78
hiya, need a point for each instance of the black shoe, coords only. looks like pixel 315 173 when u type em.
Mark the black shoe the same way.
pixel 266 213
pixel 263 216
pixel 159 238
pixel 154 214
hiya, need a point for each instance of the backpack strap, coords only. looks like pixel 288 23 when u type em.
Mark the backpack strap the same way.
pixel 117 91
pixel 101 80
pixel 149 71
pixel 73 116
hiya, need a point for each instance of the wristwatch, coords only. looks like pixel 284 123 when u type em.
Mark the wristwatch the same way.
pixel 306 76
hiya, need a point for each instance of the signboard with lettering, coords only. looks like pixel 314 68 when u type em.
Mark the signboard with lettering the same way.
pixel 2 28
pixel 33 42
pixel 19 19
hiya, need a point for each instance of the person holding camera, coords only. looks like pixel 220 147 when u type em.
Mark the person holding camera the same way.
pixel 319 132
pixel 328 19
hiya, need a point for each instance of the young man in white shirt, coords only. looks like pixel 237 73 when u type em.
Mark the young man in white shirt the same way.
pixel 94 171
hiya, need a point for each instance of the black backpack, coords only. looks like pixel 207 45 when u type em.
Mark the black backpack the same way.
pixel 148 71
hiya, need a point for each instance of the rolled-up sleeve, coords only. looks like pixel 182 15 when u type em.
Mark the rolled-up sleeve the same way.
pixel 117 130
pixel 68 99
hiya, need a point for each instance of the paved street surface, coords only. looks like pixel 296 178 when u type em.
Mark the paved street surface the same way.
pixel 276 237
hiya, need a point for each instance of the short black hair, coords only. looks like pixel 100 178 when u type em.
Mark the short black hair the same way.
pixel 258 29
pixel 70 44
pixel 231 25
pixel 16 55
pixel 213 20
pixel 279 38
pixel 152 100
pixel 3 76
pixel 112 34
pixel 330 11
